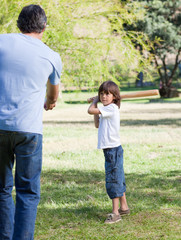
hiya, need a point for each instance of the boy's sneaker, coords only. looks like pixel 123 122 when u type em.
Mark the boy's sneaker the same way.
pixel 124 212
pixel 112 218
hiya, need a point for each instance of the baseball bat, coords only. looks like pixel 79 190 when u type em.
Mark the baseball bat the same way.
pixel 146 93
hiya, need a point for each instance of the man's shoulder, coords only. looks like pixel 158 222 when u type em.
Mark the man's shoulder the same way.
pixel 52 56
pixel 7 35
pixel 8 39
pixel 50 51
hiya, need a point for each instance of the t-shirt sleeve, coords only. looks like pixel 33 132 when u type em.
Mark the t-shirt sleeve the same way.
pixel 57 69
pixel 107 111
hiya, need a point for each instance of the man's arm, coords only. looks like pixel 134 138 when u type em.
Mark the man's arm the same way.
pixel 52 96
pixel 93 110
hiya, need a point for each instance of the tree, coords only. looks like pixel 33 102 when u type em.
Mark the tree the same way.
pixel 162 24
pixel 89 36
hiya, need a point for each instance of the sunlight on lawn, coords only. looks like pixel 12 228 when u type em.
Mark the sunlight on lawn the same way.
pixel 74 202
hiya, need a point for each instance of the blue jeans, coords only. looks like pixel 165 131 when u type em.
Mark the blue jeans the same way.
pixel 17 221
pixel 115 179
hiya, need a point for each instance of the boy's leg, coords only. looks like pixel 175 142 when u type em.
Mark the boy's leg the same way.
pixel 123 202
pixel 6 186
pixel 115 180
pixel 28 150
pixel 114 216
pixel 115 206
pixel 124 209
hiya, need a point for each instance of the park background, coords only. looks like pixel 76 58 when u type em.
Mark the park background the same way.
pixel 100 40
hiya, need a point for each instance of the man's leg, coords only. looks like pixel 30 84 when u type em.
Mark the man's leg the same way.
pixel 6 186
pixel 28 150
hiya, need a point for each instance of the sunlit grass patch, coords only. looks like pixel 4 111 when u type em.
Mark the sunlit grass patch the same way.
pixel 74 202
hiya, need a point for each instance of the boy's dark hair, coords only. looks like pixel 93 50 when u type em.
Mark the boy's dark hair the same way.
pixel 32 19
pixel 111 87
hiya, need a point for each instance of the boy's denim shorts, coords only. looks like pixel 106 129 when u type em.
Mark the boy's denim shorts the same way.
pixel 115 179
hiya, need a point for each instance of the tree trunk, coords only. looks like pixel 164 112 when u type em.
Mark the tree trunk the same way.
pixel 166 89
pixel 168 92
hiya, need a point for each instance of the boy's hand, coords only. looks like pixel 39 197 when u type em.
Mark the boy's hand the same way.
pixel 93 99
pixel 93 109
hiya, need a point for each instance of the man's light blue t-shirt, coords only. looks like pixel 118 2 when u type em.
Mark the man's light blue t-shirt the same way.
pixel 26 64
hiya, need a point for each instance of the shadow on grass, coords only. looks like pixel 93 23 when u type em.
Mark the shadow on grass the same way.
pixel 83 192
pixel 164 121
pixel 134 100
pixel 128 122
pixel 143 101
pixel 75 102
pixel 165 100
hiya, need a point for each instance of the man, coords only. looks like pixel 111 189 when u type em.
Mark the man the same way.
pixel 26 64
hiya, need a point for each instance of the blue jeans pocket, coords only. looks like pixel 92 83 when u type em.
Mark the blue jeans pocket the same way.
pixel 28 146
pixel 111 176
pixel 110 166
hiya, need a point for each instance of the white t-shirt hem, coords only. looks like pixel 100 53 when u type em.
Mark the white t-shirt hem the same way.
pixel 109 146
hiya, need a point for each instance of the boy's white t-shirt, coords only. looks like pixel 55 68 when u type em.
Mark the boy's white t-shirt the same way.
pixel 109 126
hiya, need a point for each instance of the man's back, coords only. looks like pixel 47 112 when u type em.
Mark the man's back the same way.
pixel 26 63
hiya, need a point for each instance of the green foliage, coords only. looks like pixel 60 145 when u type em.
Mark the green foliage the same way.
pixel 163 22
pixel 89 36
pixel 162 25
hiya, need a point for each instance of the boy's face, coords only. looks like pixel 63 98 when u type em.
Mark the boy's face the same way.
pixel 106 98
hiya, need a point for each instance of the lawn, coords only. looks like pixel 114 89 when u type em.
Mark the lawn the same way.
pixel 74 203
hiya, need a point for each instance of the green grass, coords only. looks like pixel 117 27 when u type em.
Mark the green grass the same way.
pixel 74 203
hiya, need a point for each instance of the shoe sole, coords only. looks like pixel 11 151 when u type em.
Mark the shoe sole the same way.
pixel 124 213
pixel 113 222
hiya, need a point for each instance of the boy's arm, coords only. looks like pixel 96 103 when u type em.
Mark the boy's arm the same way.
pixel 96 120
pixel 93 110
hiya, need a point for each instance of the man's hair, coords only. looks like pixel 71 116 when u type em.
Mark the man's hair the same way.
pixel 111 87
pixel 32 19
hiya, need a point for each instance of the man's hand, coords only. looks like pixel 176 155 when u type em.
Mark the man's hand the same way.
pixel 48 105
